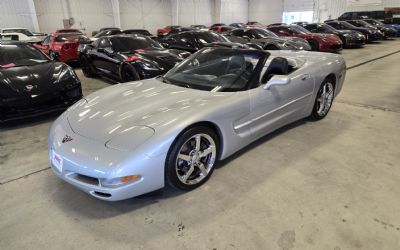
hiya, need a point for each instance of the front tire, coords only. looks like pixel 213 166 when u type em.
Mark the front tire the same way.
pixel 323 101
pixel 314 45
pixel 191 158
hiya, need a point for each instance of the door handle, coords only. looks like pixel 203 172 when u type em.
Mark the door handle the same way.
pixel 305 77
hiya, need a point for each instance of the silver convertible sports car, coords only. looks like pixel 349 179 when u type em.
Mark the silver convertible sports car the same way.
pixel 136 137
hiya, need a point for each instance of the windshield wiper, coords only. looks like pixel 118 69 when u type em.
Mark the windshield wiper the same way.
pixel 165 80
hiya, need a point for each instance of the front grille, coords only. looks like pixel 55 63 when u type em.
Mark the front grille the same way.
pixel 85 179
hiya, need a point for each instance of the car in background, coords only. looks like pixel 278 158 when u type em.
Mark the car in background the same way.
pixel 222 29
pixel 300 23
pixel 370 34
pixel 179 30
pixel 277 24
pixel 349 37
pixel 108 32
pixel 380 25
pixel 199 27
pixel 102 29
pixel 137 31
pixel 130 139
pixel 69 30
pixel 125 58
pixel 31 84
pixel 253 24
pixel 62 47
pixel 166 30
pixel 238 25
pixel 20 34
pixel 216 24
pixel 385 32
pixel 317 41
pixel 266 39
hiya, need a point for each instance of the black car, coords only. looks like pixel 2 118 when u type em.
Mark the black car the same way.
pixel 137 31
pixel 199 27
pixel 31 84
pixel 103 29
pixel 238 25
pixel 370 34
pixel 267 39
pixel 386 32
pixel 126 58
pixel 222 29
pixel 217 24
pixel 108 32
pixel 348 37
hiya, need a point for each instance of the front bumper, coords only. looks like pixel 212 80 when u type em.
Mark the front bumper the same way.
pixel 41 105
pixel 331 47
pixel 86 163
pixel 355 41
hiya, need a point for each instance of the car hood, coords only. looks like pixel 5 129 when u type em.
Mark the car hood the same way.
pixel 149 103
pixel 27 81
pixel 165 57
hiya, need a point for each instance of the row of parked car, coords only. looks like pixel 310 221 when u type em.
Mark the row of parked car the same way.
pixel 134 54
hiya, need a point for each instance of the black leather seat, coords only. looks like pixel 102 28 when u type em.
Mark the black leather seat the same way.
pixel 278 66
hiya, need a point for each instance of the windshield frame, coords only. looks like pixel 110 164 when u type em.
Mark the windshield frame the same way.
pixel 252 82
pixel 270 33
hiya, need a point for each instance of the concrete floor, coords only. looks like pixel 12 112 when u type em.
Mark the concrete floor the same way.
pixel 332 184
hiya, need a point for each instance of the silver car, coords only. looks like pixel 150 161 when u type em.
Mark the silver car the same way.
pixel 136 137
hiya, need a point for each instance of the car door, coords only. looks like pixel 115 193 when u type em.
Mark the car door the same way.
pixel 104 59
pixel 280 104
pixel 45 45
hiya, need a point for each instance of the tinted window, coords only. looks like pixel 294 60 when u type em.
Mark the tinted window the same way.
pixel 70 31
pixel 108 33
pixel 104 43
pixel 47 40
pixel 20 55
pixel 128 44
pixel 210 38
pixel 67 37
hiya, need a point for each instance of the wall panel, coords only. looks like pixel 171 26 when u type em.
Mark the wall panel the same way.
pixel 265 11
pixel 15 14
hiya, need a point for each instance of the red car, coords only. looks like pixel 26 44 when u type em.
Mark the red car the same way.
pixel 318 41
pixel 165 31
pixel 61 46
pixel 69 30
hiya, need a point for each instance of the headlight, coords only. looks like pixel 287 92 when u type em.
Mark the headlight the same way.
pixel 346 34
pixel 67 74
pixel 148 66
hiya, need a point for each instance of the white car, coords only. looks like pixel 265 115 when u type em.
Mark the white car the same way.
pixel 20 34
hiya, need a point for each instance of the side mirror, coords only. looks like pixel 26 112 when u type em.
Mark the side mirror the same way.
pixel 277 80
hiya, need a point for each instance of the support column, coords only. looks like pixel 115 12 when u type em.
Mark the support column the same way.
pixel 116 13
pixel 32 13
pixel 175 12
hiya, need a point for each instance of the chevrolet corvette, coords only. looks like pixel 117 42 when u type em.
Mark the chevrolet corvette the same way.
pixel 137 137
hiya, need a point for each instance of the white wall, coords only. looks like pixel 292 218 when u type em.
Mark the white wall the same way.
pixel 148 14
pixel 233 11
pixel 265 11
pixel 298 5
pixel 194 12
pixel 16 14
pixel 328 8
pixel 89 15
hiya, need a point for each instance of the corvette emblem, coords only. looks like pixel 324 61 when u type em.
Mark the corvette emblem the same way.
pixel 66 138
pixel 29 88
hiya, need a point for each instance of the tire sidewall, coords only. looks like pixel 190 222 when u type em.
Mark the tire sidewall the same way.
pixel 133 71
pixel 88 72
pixel 170 163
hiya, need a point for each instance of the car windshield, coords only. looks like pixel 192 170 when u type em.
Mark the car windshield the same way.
pixel 216 70
pixel 23 31
pixel 348 25
pixel 141 32
pixel 261 33
pixel 70 31
pixel 15 55
pixel 299 30
pixel 108 33
pixel 210 37
pixel 68 37
pixel 129 44
pixel 374 22
pixel 326 28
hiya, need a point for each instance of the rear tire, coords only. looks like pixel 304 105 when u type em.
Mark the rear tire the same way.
pixel 191 158
pixel 271 47
pixel 323 101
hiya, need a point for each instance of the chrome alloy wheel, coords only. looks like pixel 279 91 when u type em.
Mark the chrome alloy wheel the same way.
pixel 325 98
pixel 196 159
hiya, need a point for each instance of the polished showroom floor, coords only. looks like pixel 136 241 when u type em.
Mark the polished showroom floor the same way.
pixel 332 184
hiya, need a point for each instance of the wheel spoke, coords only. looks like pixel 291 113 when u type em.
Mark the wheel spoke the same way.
pixel 203 169
pixel 184 157
pixel 207 151
pixel 188 173
pixel 198 142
